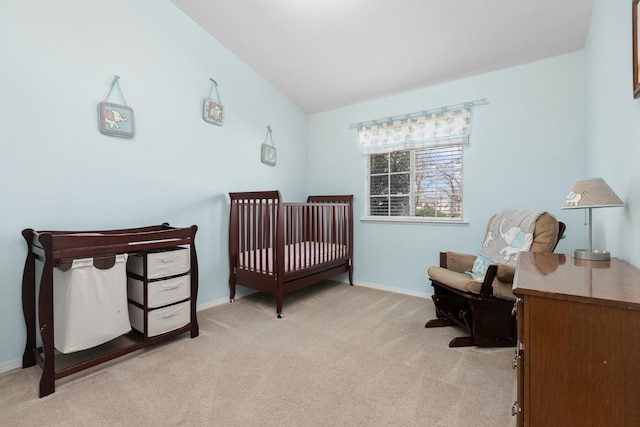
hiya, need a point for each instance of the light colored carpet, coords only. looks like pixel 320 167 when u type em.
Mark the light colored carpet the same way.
pixel 342 356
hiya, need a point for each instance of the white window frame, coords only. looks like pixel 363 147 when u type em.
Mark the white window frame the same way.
pixel 411 218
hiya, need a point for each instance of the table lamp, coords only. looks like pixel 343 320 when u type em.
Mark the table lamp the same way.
pixel 588 194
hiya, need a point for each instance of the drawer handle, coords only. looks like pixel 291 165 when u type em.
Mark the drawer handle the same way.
pixel 170 287
pixel 171 314
pixel 165 257
pixel 515 409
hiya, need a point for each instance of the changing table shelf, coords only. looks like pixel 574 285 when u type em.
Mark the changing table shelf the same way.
pixel 54 248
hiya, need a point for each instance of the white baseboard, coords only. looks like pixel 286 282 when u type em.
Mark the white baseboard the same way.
pixel 418 294
pixel 213 303
pixel 10 365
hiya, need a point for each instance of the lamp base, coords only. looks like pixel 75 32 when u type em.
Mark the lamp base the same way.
pixel 594 255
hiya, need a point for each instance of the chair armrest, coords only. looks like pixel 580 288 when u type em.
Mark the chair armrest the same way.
pixel 456 261
pixel 506 272
pixel 487 285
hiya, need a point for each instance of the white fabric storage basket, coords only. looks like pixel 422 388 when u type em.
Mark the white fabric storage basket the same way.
pixel 89 304
pixel 161 320
pixel 161 292
pixel 161 263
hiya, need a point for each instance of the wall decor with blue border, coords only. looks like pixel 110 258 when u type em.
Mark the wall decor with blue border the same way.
pixel 115 119
pixel 212 109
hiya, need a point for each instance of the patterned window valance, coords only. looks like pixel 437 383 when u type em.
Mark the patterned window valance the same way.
pixel 443 126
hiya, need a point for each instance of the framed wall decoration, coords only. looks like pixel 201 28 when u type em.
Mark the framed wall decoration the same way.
pixel 636 46
pixel 115 119
pixel 212 109
pixel 268 151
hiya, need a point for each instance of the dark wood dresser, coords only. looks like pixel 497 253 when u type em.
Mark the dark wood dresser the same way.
pixel 578 350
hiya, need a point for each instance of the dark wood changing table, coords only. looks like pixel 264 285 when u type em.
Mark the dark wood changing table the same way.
pixel 57 247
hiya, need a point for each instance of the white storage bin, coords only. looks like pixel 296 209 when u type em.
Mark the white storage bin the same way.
pixel 161 320
pixel 89 304
pixel 161 292
pixel 161 263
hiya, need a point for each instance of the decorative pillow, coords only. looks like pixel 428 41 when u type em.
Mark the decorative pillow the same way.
pixel 479 269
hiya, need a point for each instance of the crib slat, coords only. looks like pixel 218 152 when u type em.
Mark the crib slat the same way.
pixel 262 212
pixel 322 233
pixel 243 242
pixel 289 238
pixel 301 221
pixel 269 241
pixel 254 233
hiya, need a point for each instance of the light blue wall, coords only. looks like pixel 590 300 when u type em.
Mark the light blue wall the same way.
pixel 546 124
pixel 613 126
pixel 527 147
pixel 58 172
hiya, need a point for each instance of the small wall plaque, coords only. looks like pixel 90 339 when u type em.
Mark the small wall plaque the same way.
pixel 268 152
pixel 116 120
pixel 212 109
pixel 268 155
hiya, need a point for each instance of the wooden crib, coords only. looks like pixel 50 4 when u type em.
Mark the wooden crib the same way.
pixel 277 247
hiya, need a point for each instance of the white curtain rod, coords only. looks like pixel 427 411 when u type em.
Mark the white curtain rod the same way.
pixel 419 113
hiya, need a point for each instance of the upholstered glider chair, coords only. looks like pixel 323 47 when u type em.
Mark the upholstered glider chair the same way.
pixel 475 292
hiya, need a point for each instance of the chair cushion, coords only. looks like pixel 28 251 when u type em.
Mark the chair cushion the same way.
pixel 503 290
pixel 460 281
pixel 506 272
pixel 545 235
pixel 457 261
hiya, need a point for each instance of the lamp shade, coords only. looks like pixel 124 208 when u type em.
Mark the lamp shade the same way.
pixel 591 193
pixel 588 194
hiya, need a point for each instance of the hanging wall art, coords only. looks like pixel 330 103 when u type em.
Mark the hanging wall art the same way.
pixel 212 109
pixel 115 119
pixel 268 151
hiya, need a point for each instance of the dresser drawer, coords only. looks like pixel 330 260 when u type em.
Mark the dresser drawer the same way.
pixel 161 320
pixel 160 292
pixel 161 263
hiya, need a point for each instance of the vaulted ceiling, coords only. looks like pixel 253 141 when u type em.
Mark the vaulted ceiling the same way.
pixel 325 54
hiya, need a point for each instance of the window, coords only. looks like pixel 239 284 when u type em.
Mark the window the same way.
pixel 424 183
pixel 414 164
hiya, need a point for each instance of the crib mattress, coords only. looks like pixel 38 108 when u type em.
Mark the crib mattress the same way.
pixel 297 256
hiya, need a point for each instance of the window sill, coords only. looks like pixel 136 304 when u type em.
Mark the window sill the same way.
pixel 414 220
